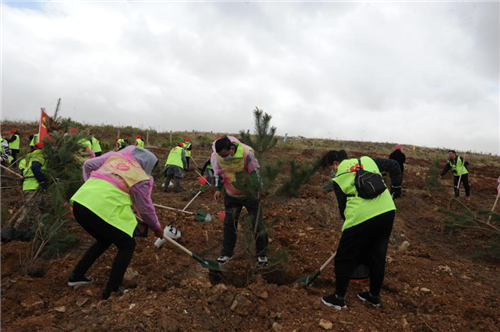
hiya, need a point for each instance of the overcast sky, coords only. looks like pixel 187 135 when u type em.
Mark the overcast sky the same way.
pixel 405 72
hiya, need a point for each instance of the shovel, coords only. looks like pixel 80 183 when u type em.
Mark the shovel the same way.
pixel 201 215
pixel 211 265
pixel 308 280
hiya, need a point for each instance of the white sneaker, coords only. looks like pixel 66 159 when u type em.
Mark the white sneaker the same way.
pixel 224 259
pixel 262 260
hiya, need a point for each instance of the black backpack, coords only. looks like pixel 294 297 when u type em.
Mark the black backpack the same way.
pixel 368 184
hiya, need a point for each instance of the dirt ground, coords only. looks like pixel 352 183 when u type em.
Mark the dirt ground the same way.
pixel 432 285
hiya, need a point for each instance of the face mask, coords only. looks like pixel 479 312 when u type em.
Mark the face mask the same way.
pixel 228 158
pixel 333 174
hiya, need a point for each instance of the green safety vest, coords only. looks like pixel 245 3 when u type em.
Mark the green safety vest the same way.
pixel 120 142
pixel 96 146
pixel 34 140
pixel 85 143
pixel 186 146
pixel 175 157
pixel 456 168
pixel 230 168
pixel 30 182
pixel 110 203
pixel 22 164
pixel 15 144
pixel 358 209
pixel 209 166
pixel 140 143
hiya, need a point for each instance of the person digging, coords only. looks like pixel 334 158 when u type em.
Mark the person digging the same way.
pixel 174 165
pixel 33 181
pixel 114 182
pixel 368 217
pixel 232 156
pixel 458 166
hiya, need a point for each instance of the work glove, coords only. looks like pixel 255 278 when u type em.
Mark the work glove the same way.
pixel 395 191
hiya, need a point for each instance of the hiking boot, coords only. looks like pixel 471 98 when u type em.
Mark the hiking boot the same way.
pixel 224 259
pixel 334 301
pixel 367 297
pixel 107 293
pixel 75 281
pixel 262 260
pixel 172 232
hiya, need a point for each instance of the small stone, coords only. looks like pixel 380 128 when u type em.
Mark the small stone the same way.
pixel 81 301
pixel 445 269
pixel 405 324
pixel 130 274
pixel 60 309
pixel 31 302
pixel 425 290
pixel 415 289
pixel 326 324
pixel 213 298
pixel 277 327
pixel 264 295
pixel 234 305
pixel 89 292
pixel 404 246
pixel 220 288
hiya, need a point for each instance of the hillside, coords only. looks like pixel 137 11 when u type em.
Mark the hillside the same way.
pixel 431 285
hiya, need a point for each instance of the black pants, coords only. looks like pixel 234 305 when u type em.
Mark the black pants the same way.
pixel 187 162
pixel 233 207
pixel 465 181
pixel 97 154
pixel 105 235
pixel 364 243
pixel 14 154
pixel 177 183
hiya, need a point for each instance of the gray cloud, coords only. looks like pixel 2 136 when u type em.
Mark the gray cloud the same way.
pixel 415 73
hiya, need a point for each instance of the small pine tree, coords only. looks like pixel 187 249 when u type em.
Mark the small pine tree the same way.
pixel 465 218
pixel 299 175
pixel 264 139
pixel 431 180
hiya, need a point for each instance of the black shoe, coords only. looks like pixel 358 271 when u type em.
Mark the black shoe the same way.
pixel 334 301
pixel 75 281
pixel 107 293
pixel 8 233
pixel 224 259
pixel 367 297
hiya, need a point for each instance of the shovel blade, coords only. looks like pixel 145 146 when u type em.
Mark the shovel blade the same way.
pixel 211 265
pixel 309 280
pixel 203 216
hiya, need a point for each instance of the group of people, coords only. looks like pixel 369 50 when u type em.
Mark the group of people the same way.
pixel 118 183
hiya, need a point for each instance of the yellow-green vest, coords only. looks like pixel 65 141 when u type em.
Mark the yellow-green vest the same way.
pixel 34 140
pixel 358 209
pixel 30 182
pixel 110 203
pixel 456 168
pixel 22 164
pixel 15 144
pixel 120 142
pixel 140 143
pixel 186 145
pixel 96 146
pixel 230 168
pixel 175 157
pixel 85 143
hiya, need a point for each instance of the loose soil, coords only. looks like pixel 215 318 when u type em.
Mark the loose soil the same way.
pixel 433 285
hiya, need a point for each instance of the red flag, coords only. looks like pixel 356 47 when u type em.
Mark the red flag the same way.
pixel 44 121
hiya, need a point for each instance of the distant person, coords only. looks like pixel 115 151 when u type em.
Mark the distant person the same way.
pixel 6 153
pixel 120 143
pixel 14 143
pixel 210 171
pixel 367 223
pixel 176 162
pixel 34 139
pixel 96 145
pixel 458 167
pixel 399 156
pixel 229 157
pixel 187 146
pixel 139 142
pixel 115 183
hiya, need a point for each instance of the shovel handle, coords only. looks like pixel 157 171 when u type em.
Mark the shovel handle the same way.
pixel 179 246
pixel 327 262
pixel 11 171
pixel 191 201
pixel 170 208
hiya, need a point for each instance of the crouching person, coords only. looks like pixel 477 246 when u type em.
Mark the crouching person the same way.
pixel 103 207
pixel 367 222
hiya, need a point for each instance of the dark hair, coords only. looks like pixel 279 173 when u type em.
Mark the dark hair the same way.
pixel 223 143
pixel 332 156
pixel 452 151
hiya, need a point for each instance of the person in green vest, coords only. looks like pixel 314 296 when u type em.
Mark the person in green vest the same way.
pixel 6 152
pixel 174 165
pixel 116 184
pixel 32 171
pixel 367 223
pixel 458 166
pixel 34 139
pixel 229 157
pixel 187 146
pixel 120 143
pixel 14 143
pixel 139 142
pixel 96 145
pixel 210 171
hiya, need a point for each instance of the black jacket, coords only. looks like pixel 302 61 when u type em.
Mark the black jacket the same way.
pixel 400 158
